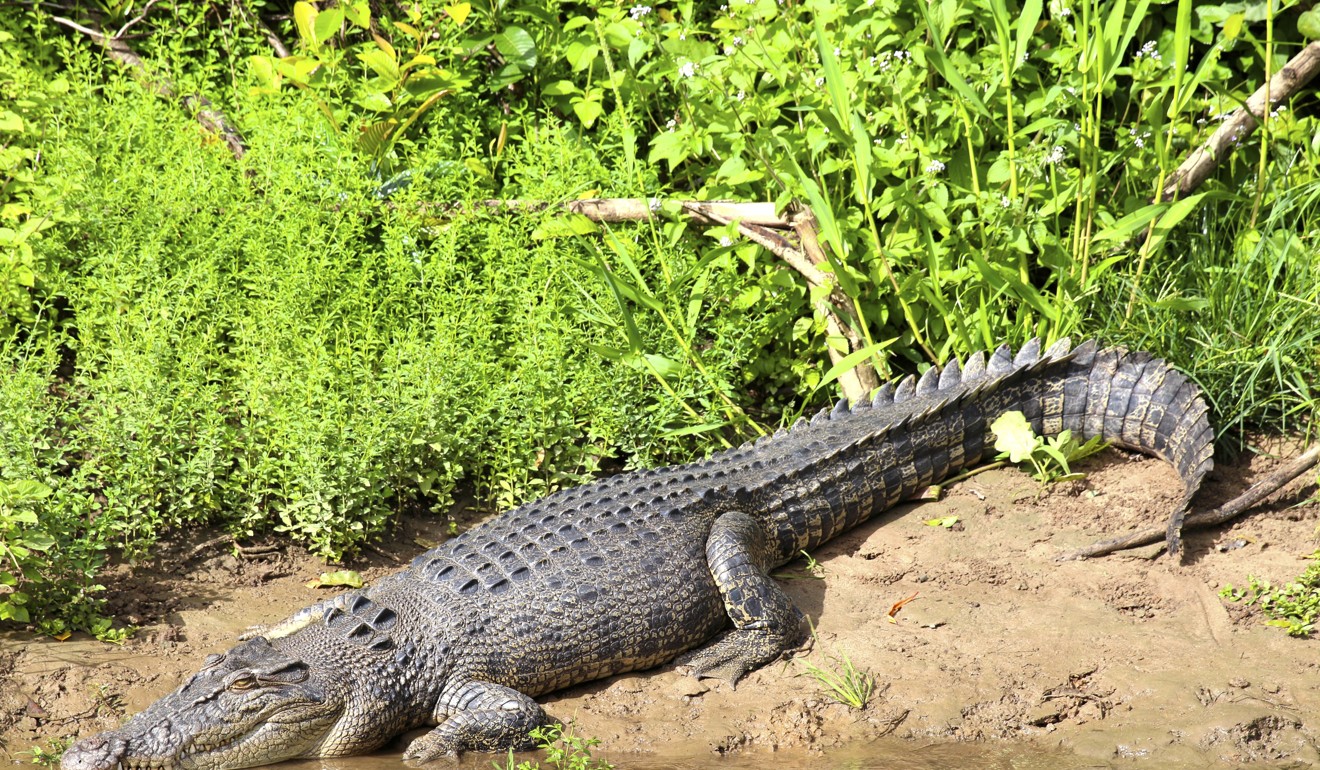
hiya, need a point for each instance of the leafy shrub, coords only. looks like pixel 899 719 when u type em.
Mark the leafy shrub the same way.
pixel 1294 607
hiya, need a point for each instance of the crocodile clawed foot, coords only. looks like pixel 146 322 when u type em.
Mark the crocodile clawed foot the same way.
pixel 729 672
pixel 428 748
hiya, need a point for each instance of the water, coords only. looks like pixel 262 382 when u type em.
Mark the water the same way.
pixel 879 755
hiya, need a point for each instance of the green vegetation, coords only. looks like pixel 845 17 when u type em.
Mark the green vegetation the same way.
pixel 49 755
pixel 1050 458
pixel 563 751
pixel 1294 607
pixel 334 329
pixel 841 680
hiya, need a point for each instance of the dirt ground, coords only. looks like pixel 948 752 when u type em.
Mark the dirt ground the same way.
pixel 1109 661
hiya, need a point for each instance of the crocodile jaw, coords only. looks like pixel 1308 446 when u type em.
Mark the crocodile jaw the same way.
pixel 253 706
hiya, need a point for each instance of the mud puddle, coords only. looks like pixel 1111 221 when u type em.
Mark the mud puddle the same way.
pixel 1004 658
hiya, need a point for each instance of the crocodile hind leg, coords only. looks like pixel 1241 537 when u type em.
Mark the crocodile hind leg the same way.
pixel 765 623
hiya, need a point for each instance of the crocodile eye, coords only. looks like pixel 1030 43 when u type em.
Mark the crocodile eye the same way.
pixel 243 683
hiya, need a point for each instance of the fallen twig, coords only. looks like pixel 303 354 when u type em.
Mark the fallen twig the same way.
pixel 1229 510
pixel 117 48
pixel 1241 122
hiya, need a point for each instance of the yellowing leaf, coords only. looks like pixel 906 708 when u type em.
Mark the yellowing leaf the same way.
pixel 459 12
pixel 304 14
pixel 346 577
pixel 1013 435
pixel 943 521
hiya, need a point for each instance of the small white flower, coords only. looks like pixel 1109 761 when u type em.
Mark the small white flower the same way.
pixel 1139 142
pixel 1056 155
pixel 682 36
pixel 1065 12
pixel 740 95
pixel 1004 201
pixel 671 124
pixel 1148 51
pixel 837 52
pixel 687 69
pixel 902 138
pixel 654 203
pixel 726 241
pixel 820 82
pixel 737 40
pixel 638 11
pixel 729 50
pixel 1077 126
pixel 934 167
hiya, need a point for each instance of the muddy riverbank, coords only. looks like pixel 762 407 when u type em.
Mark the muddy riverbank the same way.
pixel 1004 652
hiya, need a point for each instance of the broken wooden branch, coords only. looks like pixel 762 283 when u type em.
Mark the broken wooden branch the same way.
pixel 1256 493
pixel 759 223
pixel 1241 122
pixel 117 48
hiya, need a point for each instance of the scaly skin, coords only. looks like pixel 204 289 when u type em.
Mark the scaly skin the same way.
pixel 629 572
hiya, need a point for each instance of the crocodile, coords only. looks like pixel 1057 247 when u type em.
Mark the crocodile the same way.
pixel 631 572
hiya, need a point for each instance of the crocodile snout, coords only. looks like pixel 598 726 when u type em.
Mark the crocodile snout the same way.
pixel 99 752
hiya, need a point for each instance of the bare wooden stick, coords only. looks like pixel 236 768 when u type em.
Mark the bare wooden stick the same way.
pixel 757 222
pixel 117 48
pixel 1226 512
pixel 276 44
pixel 858 382
pixel 1241 122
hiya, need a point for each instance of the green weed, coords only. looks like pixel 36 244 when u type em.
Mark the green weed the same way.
pixel 1050 458
pixel 842 680
pixel 1294 607
pixel 49 755
pixel 812 570
pixel 563 751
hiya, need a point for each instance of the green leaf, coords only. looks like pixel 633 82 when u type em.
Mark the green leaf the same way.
pixel 304 15
pixel 518 47
pixel 375 102
pixel 358 14
pixel 11 122
pixel 565 226
pixel 848 362
pixel 384 65
pixel 1013 435
pixel 943 521
pixel 587 111
pixel 1308 24
pixel 38 541
pixel 328 23
pixel 1026 29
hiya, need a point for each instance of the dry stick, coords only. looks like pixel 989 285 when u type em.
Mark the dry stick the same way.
pixel 1241 122
pixel 198 106
pixel 1229 510
pixel 858 382
pixel 273 39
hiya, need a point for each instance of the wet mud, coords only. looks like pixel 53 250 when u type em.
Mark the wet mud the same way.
pixel 1002 657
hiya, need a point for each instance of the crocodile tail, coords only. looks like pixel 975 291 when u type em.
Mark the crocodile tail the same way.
pixel 1137 401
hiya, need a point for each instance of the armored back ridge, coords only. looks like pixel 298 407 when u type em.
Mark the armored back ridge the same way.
pixel 631 572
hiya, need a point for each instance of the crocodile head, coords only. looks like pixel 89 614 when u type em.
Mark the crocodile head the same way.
pixel 251 706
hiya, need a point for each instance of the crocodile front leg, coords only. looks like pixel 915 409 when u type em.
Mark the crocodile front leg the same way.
pixel 765 623
pixel 478 716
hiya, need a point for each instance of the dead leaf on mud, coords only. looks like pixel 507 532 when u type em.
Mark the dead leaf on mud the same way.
pixel 898 605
